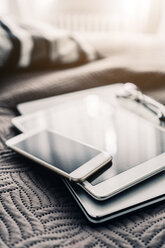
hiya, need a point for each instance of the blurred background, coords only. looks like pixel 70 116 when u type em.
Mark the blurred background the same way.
pixel 128 34
pixel 103 16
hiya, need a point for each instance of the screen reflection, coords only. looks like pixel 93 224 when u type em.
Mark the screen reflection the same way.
pixel 60 152
pixel 132 141
pixel 96 119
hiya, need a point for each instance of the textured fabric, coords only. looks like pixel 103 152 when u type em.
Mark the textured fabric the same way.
pixel 36 210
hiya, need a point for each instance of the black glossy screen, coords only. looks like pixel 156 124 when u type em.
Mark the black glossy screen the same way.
pixel 60 152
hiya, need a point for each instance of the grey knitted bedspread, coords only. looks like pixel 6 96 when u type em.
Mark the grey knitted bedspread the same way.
pixel 36 209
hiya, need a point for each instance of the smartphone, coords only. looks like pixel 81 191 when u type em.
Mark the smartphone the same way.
pixel 71 159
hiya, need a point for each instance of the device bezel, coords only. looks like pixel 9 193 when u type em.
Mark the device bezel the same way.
pixel 126 179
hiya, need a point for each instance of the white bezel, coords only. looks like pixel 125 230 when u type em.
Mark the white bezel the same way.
pixel 126 179
pixel 79 174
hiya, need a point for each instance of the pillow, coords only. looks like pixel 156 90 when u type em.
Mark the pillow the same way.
pixel 38 45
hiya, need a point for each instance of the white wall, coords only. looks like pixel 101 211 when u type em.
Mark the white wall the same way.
pixel 144 16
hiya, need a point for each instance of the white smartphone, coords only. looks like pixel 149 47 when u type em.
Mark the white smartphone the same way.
pixel 71 159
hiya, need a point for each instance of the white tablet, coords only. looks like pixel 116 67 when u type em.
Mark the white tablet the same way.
pixel 136 145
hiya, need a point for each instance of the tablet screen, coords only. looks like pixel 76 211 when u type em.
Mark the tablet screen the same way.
pixel 130 139
pixel 133 140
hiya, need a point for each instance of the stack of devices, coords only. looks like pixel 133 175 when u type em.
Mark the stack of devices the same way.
pixel 111 159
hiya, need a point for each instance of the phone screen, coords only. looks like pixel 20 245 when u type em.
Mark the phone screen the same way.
pixel 58 151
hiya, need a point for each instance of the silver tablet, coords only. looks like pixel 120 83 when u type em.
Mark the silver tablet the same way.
pixel 142 195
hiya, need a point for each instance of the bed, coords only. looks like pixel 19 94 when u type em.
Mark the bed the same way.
pixel 36 210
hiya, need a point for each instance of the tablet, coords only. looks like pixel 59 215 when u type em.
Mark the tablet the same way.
pixel 139 154
pixel 136 145
pixel 142 195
